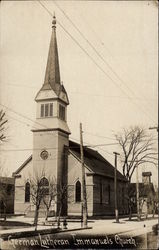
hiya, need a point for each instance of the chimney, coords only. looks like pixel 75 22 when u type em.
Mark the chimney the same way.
pixel 146 177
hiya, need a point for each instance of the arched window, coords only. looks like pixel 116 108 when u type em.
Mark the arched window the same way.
pixel 78 191
pixel 44 182
pixel 27 192
pixel 44 185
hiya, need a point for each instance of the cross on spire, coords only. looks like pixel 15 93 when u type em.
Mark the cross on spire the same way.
pixel 54 21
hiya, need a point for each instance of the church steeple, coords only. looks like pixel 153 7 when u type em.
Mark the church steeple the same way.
pixel 52 74
pixel 51 133
pixel 52 81
pixel 52 99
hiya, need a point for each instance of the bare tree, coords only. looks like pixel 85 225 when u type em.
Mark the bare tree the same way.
pixel 44 193
pixel 137 148
pixel 3 121
pixel 37 193
pixel 62 197
pixel 49 197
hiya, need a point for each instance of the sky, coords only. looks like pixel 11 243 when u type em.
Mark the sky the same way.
pixel 109 70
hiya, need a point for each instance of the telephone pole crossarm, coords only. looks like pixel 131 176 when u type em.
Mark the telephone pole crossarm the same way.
pixel 154 128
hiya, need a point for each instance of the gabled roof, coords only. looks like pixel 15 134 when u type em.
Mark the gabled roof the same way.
pixel 144 189
pixel 22 166
pixel 95 161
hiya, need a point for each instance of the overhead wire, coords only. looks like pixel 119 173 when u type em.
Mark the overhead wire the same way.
pixel 92 46
pixel 110 138
pixel 111 68
pixel 84 93
pixel 24 116
pixel 87 145
pixel 102 136
pixel 70 147
pixel 105 151
pixel 92 59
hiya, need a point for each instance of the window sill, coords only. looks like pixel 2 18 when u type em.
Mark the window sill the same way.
pixel 46 117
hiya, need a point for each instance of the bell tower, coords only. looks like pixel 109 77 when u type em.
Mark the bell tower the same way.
pixel 51 132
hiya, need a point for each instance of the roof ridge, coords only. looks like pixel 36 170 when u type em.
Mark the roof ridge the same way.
pixel 23 165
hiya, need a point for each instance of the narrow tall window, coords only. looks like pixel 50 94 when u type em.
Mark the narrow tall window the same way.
pixel 78 191
pixel 27 192
pixel 61 112
pixel 51 109
pixel 46 110
pixel 42 110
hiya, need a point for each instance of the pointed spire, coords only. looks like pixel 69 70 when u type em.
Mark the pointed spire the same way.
pixel 52 75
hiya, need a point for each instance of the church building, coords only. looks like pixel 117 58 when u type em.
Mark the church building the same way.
pixel 57 157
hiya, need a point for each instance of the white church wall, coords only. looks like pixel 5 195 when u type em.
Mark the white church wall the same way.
pixel 74 175
pixel 47 140
pixel 20 205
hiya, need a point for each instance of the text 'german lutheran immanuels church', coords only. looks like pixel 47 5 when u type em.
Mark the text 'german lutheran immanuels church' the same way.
pixel 55 156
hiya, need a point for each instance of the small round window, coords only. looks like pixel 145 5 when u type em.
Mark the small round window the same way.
pixel 44 154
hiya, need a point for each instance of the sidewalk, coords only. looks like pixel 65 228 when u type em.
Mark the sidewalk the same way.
pixel 125 227
pixel 108 227
pixel 41 228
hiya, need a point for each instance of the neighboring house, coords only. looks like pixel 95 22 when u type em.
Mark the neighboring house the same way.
pixel 146 194
pixel 6 195
pixel 59 157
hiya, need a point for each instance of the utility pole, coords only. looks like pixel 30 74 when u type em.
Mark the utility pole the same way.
pixel 115 187
pixel 137 193
pixel 84 198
